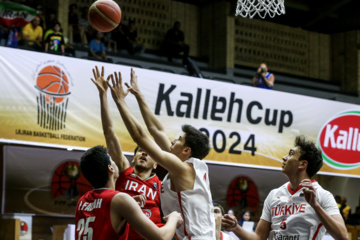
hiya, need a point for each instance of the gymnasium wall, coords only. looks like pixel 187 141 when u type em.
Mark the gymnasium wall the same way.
pixel 213 32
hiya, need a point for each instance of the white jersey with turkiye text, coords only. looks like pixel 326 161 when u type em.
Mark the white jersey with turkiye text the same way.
pixel 290 215
pixel 195 205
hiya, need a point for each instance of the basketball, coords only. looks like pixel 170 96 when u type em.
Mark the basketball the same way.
pixel 104 15
pixel 52 81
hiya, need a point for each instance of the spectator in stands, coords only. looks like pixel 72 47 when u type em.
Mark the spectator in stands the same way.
pixel 174 44
pixel 50 19
pixel 97 48
pixel 246 216
pixel 32 34
pixel 354 219
pixel 338 200
pixel 263 78
pixel 54 43
pixel 218 214
pixel 134 46
pixel 13 37
pixel 118 35
pixel 345 209
pixel 90 33
pixel 76 32
pixel 41 15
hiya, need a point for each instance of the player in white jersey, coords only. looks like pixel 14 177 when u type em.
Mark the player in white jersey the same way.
pixel 186 186
pixel 300 209
pixel 218 214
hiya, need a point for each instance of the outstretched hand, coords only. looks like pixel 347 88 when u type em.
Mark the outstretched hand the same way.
pixel 99 81
pixel 117 90
pixel 229 223
pixel 133 87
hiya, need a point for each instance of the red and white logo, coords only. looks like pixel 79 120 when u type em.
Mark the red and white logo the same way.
pixel 339 140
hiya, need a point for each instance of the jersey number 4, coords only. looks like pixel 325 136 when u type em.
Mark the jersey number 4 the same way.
pixel 85 232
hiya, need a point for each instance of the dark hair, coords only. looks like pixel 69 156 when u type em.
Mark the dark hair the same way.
pixel 94 166
pixel 176 22
pixel 216 204
pixel 56 23
pixel 136 149
pixel 311 154
pixel 73 5
pixel 197 141
pixel 246 211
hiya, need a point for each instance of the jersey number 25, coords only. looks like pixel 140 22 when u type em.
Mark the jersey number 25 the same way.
pixel 85 232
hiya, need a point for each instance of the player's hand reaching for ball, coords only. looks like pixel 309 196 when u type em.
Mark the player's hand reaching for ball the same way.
pixel 229 223
pixel 176 216
pixel 99 80
pixel 117 90
pixel 133 87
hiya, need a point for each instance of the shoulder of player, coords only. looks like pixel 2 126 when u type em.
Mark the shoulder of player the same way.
pixel 121 200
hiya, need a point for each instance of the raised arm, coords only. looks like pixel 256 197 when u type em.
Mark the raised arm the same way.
pixel 123 205
pixel 112 142
pixel 169 161
pixel 153 124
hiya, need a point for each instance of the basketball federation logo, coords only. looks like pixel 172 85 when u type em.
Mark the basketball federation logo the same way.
pixel 54 88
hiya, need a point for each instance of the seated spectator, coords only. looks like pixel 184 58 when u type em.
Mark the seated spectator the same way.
pixel 246 216
pixel 263 78
pixel 13 37
pixel 134 46
pixel 344 208
pixel 97 48
pixel 50 19
pixel 32 34
pixel 84 23
pixel 354 219
pixel 174 44
pixel 76 32
pixel 119 37
pixel 54 42
pixel 111 44
pixel 40 13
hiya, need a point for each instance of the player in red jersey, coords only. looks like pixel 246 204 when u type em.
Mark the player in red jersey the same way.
pixel 137 180
pixel 104 213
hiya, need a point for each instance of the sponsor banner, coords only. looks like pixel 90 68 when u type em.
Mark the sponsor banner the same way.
pixel 14 14
pixel 51 99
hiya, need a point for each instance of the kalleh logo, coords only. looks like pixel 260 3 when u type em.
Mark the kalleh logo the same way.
pixel 339 141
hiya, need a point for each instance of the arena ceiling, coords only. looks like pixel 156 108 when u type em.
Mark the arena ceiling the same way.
pixel 324 16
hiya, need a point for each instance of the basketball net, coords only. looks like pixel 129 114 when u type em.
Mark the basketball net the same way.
pixel 249 8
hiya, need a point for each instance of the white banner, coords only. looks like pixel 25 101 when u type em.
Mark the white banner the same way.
pixel 51 99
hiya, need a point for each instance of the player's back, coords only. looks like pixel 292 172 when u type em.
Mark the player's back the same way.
pixel 92 216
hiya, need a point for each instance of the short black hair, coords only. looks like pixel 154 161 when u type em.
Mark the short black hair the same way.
pixel 197 141
pixel 94 166
pixel 310 153
pixel 216 204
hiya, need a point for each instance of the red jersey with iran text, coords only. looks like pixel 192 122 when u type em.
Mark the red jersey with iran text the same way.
pixel 92 217
pixel 291 216
pixel 133 185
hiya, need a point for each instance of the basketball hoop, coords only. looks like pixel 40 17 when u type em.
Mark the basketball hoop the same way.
pixel 248 8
